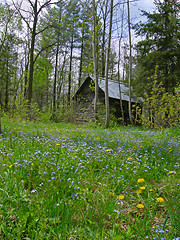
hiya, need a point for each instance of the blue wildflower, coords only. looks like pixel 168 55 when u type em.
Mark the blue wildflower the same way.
pixel 117 211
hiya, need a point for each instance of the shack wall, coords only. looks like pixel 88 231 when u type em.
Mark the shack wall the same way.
pixel 84 104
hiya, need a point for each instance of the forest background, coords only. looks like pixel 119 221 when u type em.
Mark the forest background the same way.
pixel 46 51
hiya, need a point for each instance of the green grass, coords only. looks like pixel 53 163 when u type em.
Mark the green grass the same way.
pixel 62 181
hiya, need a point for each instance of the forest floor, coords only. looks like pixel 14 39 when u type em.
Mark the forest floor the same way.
pixel 61 181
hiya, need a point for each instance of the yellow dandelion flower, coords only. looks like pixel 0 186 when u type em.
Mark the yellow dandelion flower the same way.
pixel 171 172
pixel 139 191
pixel 140 206
pixel 11 165
pixel 120 197
pixel 57 144
pixel 112 194
pixel 160 199
pixel 112 140
pixel 151 190
pixel 142 188
pixel 140 180
pixel 108 150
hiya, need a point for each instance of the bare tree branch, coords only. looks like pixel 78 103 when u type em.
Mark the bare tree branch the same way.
pixel 26 11
pixel 46 4
pixel 18 9
pixel 125 2
pixel 6 28
pixel 49 26
pixel 43 6
pixel 44 48
pixel 31 4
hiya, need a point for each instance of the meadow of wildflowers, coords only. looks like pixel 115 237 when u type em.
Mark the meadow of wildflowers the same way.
pixel 69 182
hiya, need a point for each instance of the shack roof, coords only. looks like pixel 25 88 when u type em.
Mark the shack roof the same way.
pixel 113 90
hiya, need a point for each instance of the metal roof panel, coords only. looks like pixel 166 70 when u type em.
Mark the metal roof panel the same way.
pixel 113 90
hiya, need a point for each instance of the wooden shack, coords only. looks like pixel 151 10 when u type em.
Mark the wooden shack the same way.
pixel 85 97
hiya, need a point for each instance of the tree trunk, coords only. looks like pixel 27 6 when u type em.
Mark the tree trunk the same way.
pixel 27 52
pixel 0 126
pixel 1 104
pixel 31 67
pixel 104 10
pixel 26 78
pixel 95 59
pixel 103 48
pixel 121 105
pixel 7 88
pixel 61 80
pixel 81 59
pixel 55 79
pixel 70 71
pixel 47 90
pixel 55 72
pixel 107 68
pixel 103 56
pixel 130 64
pixel 119 59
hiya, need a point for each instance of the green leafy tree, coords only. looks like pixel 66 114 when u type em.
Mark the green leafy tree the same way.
pixel 9 22
pixel 160 46
pixel 73 9
pixel 161 108
pixel 10 25
pixel 8 69
pixel 36 9
pixel 42 70
pixel 84 39
pixel 56 17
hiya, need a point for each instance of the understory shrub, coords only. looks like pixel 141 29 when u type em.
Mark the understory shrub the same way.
pixel 161 109
pixel 25 111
